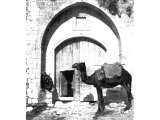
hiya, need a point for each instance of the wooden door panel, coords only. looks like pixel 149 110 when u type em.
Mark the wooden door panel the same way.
pixel 65 58
pixel 78 51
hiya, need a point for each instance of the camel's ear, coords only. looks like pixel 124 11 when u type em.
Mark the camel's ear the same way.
pixel 73 66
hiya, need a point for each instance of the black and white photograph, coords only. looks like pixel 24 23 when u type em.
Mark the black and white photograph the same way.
pixel 79 62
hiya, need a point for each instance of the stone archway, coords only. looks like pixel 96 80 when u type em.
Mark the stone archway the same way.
pixel 73 11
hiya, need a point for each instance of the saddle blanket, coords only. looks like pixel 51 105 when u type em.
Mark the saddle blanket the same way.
pixel 112 70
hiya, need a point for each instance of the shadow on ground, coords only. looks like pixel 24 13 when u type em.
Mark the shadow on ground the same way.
pixel 106 112
pixel 116 95
pixel 37 109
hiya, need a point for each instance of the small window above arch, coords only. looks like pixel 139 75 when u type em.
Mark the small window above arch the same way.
pixel 81 22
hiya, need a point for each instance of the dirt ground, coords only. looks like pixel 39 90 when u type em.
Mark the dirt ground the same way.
pixel 81 111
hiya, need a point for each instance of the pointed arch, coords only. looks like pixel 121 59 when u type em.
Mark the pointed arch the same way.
pixel 69 12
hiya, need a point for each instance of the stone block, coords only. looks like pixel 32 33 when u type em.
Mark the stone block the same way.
pixel 32 75
pixel 34 62
pixel 38 67
pixel 32 65
pixel 30 37
pixel 28 56
pixel 48 101
pixel 30 95
pixel 29 101
pixel 50 105
pixel 28 75
pixel 58 104
pixel 113 105
pixel 38 85
pixel 34 100
pixel 28 52
pixel 29 70
pixel 48 95
pixel 29 91
pixel 32 85
pixel 38 60
pixel 27 85
pixel 34 56
pixel 38 75
pixel 38 46
pixel 35 95
pixel 29 109
pixel 28 61
pixel 38 56
pixel 71 104
pixel 34 70
pixel 30 80
pixel 36 80
pixel 60 111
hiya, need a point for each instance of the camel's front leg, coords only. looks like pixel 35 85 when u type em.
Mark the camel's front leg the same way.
pixel 100 100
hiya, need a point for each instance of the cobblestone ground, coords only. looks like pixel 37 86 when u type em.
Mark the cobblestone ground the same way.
pixel 84 111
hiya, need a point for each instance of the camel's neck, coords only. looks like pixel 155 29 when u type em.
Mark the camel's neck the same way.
pixel 86 79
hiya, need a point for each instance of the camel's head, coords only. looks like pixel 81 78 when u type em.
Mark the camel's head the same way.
pixel 79 66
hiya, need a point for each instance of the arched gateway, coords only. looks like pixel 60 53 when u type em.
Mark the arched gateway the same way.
pixel 75 49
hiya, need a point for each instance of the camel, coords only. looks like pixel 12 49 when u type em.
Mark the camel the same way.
pixel 100 80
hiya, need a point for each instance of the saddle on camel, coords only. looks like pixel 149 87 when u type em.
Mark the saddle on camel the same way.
pixel 111 70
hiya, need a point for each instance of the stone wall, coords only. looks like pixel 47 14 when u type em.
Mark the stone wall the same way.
pixel 38 14
pixel 32 52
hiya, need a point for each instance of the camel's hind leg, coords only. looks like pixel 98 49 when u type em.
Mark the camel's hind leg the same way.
pixel 127 86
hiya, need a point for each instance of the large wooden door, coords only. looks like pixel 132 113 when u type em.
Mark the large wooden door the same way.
pixel 70 52
pixel 66 55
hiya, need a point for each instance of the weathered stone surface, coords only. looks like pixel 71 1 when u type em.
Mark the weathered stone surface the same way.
pixel 32 75
pixel 37 75
pixel 50 105
pixel 29 109
pixel 113 105
pixel 29 91
pixel 82 112
pixel 30 95
pixel 32 85
pixel 29 101
pixel 34 100
pixel 48 95
pixel 48 101
pixel 58 104
pixel 29 80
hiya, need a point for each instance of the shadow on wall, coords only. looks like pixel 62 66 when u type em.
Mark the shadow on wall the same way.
pixel 54 96
pixel 116 94
pixel 88 98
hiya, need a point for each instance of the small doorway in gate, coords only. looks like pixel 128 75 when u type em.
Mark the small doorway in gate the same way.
pixel 66 83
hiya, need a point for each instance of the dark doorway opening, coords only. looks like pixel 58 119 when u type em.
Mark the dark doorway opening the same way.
pixel 66 80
